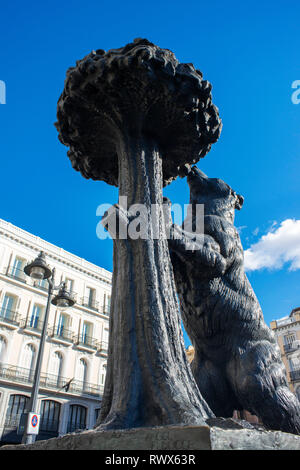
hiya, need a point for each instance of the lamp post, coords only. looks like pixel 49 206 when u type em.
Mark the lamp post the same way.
pixel 39 270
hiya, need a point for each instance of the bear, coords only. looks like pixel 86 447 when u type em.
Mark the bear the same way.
pixel 237 363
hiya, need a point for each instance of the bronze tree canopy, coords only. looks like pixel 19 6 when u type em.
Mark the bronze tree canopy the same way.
pixel 139 88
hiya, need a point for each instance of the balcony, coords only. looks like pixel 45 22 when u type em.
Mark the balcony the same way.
pixel 9 317
pixel 102 347
pixel 52 381
pixel 295 375
pixel 32 324
pixel 61 334
pixel 23 376
pixel 291 346
pixel 105 312
pixel 89 303
pixel 85 342
pixel 16 374
pixel 42 285
pixel 15 273
pixel 86 388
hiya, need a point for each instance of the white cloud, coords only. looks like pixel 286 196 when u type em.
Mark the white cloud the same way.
pixel 278 247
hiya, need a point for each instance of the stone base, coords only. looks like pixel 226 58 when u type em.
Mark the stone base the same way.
pixel 219 434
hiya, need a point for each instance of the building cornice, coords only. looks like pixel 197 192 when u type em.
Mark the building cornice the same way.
pixel 287 327
pixel 55 253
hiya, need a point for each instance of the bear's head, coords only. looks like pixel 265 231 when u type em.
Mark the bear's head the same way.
pixel 217 196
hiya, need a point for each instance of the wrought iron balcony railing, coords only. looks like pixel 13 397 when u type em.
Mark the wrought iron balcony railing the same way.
pixel 15 273
pixel 62 333
pixel 86 341
pixel 55 332
pixel 50 381
pixel 9 316
pixel 16 374
pixel 90 303
pixel 291 346
pixel 104 311
pixel 43 285
pixel 102 346
pixel 295 374
pixel 87 388
pixel 32 323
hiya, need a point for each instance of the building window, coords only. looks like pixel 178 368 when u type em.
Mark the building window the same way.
pixel 91 297
pixel 294 362
pixel 289 339
pixel 102 374
pixel 17 269
pixel 63 324
pixel 43 283
pixel 3 345
pixel 97 413
pixel 8 306
pixel 82 371
pixel 16 407
pixel 28 360
pixel 106 304
pixel 50 412
pixel 69 284
pixel 56 368
pixel 77 418
pixel 86 334
pixel 105 338
pixel 18 265
pixel 36 317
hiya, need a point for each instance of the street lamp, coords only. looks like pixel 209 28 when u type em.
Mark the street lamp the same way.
pixel 39 270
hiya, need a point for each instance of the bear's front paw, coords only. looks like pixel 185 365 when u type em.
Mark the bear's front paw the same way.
pixel 220 265
pixel 214 262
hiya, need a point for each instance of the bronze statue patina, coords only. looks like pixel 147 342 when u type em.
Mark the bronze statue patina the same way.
pixel 237 363
pixel 135 117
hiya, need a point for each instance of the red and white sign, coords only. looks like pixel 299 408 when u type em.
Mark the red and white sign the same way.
pixel 33 423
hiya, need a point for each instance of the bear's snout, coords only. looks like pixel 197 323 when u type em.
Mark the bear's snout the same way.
pixel 195 173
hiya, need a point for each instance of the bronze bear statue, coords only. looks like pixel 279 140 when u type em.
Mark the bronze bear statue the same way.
pixel 237 363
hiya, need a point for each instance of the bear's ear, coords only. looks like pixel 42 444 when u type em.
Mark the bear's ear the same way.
pixel 239 202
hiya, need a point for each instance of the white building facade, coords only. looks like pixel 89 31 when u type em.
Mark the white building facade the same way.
pixel 76 342
pixel 287 331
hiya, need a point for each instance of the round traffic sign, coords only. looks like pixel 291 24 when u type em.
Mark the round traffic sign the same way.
pixel 34 421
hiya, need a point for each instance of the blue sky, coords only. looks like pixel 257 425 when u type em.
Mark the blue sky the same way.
pixel 249 51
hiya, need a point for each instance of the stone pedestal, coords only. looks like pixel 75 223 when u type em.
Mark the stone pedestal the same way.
pixel 220 434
